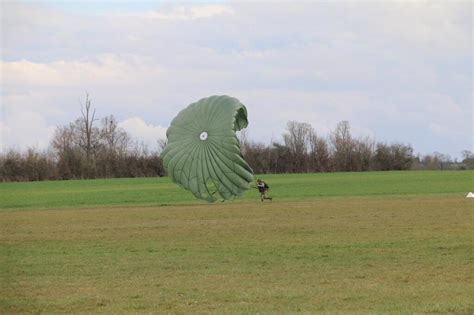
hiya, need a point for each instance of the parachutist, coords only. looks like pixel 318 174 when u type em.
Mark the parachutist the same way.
pixel 263 189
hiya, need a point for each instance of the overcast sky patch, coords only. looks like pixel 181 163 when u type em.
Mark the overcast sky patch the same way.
pixel 398 71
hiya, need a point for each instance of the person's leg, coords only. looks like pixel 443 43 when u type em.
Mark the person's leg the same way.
pixel 266 196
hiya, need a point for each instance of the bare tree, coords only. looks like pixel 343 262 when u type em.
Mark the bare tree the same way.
pixel 382 157
pixel 88 137
pixel 342 146
pixel 363 153
pixel 398 156
pixel 257 156
pixel 318 152
pixel 297 141
pixel 402 155
pixel 68 154
pixel 162 144
pixel 468 159
pixel 77 143
pixel 243 140
pixel 114 138
pixel 114 143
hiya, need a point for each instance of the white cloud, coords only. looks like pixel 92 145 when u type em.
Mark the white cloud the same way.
pixel 443 130
pixel 189 12
pixel 102 71
pixel 323 110
pixel 148 133
pixel 22 129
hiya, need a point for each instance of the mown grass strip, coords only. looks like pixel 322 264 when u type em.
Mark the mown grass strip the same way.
pixel 160 191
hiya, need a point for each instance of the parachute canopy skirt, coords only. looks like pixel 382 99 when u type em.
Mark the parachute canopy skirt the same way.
pixel 203 154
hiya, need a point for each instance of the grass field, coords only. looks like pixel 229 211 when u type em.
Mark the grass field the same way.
pixel 378 242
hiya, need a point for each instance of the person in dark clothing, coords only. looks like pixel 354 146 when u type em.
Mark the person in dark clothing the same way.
pixel 263 189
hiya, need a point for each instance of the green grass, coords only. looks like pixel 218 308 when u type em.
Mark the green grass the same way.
pixel 388 242
pixel 161 191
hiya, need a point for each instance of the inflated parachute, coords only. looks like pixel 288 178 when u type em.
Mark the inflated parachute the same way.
pixel 203 153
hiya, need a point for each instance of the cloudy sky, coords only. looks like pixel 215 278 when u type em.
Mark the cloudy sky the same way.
pixel 397 71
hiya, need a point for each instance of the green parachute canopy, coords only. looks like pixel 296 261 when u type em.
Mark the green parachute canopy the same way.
pixel 203 153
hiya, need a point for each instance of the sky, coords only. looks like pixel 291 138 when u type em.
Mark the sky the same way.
pixel 397 71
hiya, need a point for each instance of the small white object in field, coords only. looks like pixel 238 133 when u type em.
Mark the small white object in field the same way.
pixel 470 195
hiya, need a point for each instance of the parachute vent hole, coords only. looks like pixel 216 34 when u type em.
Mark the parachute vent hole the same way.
pixel 203 136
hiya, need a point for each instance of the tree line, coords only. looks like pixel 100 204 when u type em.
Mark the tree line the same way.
pixel 90 147
pixel 303 150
